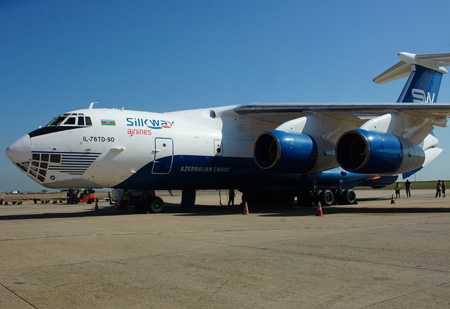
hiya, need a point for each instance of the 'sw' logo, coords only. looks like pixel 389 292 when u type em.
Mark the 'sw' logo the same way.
pixel 420 96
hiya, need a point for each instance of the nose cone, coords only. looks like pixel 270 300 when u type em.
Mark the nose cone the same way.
pixel 20 150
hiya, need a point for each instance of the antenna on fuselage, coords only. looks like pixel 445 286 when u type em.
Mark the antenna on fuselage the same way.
pixel 92 104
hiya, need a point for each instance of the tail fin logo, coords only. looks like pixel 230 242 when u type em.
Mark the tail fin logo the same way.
pixel 419 96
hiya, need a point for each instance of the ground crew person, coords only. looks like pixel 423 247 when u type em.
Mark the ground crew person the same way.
pixel 397 190
pixel 438 189
pixel 126 199
pixel 408 188
pixel 3 199
pixel 231 196
pixel 443 188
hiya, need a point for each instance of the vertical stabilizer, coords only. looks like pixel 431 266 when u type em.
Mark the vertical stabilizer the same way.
pixel 422 86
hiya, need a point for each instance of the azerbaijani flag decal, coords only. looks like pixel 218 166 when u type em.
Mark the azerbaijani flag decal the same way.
pixel 108 122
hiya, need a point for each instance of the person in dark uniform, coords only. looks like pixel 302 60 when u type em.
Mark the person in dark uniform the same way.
pixel 408 188
pixel 438 189
pixel 231 196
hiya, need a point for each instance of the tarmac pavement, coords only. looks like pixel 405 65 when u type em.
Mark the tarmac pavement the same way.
pixel 374 254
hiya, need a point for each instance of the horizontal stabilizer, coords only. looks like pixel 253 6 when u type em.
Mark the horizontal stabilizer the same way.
pixel 435 62
pixel 431 154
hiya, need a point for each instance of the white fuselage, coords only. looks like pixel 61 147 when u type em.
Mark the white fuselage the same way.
pixel 119 144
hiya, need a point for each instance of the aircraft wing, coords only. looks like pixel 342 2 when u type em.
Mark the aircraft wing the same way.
pixel 281 112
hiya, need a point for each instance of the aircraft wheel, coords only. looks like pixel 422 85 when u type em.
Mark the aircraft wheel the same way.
pixel 327 198
pixel 75 201
pixel 348 197
pixel 351 196
pixel 156 205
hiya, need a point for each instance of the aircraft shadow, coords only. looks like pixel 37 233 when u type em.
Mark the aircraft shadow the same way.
pixel 387 210
pixel 214 210
pixel 103 211
pixel 201 210
pixel 332 210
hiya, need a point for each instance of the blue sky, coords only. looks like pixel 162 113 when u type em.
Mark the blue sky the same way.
pixel 59 55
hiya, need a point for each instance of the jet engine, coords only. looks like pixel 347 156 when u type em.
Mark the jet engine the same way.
pixel 368 152
pixel 288 152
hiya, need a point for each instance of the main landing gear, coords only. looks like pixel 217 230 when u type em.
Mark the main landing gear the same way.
pixel 326 197
pixel 148 203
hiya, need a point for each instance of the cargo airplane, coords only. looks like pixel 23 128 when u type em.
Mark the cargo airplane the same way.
pixel 270 152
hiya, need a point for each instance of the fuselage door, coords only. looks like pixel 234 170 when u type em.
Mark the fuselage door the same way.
pixel 163 155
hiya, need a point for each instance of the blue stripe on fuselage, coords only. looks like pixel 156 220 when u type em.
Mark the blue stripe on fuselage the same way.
pixel 201 172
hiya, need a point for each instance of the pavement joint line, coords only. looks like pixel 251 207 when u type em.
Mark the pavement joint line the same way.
pixel 17 295
pixel 222 231
pixel 407 294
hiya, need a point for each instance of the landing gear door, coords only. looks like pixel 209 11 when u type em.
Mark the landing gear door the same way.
pixel 163 156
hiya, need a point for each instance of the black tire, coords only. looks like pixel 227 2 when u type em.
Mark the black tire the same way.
pixel 347 197
pixel 156 205
pixel 351 196
pixel 327 198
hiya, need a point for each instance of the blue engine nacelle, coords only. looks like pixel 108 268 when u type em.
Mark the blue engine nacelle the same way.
pixel 285 152
pixel 367 152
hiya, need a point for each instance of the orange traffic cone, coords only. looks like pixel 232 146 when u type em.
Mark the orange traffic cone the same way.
pixel 246 209
pixel 392 199
pixel 96 203
pixel 319 210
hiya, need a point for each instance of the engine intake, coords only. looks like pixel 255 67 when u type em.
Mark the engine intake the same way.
pixel 286 152
pixel 368 152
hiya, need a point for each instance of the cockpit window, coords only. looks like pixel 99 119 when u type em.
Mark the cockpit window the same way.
pixel 70 120
pixel 57 120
